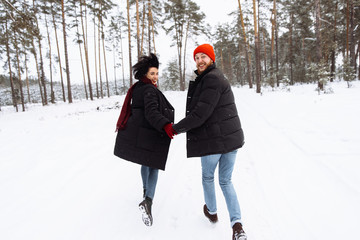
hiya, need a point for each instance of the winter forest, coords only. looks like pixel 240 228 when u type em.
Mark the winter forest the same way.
pixel 65 68
pixel 267 43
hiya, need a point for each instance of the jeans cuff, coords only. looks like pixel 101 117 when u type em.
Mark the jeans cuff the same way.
pixel 236 221
pixel 212 213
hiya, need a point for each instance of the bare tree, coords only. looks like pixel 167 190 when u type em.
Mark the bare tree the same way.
pixel 79 42
pixel 138 30
pixel 85 44
pixel 52 94
pixel 247 55
pixel 66 53
pixel 53 13
pixel 257 50
pixel 129 37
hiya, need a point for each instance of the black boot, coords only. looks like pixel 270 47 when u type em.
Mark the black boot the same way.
pixel 213 218
pixel 145 209
pixel 238 232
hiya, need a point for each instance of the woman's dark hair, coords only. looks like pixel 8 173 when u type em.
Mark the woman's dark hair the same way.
pixel 141 68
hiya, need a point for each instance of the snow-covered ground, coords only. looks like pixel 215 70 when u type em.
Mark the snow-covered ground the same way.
pixel 297 176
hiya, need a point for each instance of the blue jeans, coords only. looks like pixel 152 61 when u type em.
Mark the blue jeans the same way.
pixel 149 177
pixel 226 165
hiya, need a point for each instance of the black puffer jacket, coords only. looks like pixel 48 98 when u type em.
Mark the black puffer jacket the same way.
pixel 144 141
pixel 212 122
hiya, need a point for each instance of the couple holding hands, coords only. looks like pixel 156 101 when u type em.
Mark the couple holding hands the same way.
pixel 145 129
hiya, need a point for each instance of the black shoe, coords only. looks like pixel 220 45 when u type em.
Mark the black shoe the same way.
pixel 213 218
pixel 238 232
pixel 145 209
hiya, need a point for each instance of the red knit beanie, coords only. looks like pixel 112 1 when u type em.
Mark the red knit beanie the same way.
pixel 207 49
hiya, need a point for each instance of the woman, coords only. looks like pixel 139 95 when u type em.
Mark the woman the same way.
pixel 144 132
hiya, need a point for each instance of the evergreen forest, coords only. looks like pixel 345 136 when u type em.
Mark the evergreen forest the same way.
pixel 268 43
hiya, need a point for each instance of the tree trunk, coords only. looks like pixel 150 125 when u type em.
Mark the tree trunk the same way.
pixel 10 71
pixel 359 60
pixel 182 82
pixel 152 29
pixel 99 49
pixel 38 72
pixel 59 56
pixel 291 48
pixel 222 68
pixel 273 26
pixel 333 62
pixel 86 52
pixel 104 53
pixel 259 41
pixel 52 94
pixel 184 59
pixel 277 53
pixel 352 36
pixel 27 77
pixel 347 27
pixel 248 61
pixel 138 30
pixel 122 62
pixel 318 38
pixel 358 52
pixel 129 35
pixel 238 74
pixel 143 30
pixel 42 73
pixel 66 53
pixel 231 72
pixel 265 55
pixel 257 57
pixel 179 50
pixel 149 25
pixel 114 60
pixel 95 60
pixel 80 51
pixel 356 55
pixel 19 73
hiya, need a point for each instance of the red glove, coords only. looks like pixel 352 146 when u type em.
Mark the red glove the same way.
pixel 170 130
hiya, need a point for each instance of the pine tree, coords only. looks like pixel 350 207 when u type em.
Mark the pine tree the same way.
pixel 185 19
pixel 171 76
pixel 348 72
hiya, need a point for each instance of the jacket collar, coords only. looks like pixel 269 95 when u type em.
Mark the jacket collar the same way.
pixel 200 76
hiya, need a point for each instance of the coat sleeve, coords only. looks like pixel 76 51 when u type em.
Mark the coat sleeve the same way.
pixel 152 112
pixel 208 100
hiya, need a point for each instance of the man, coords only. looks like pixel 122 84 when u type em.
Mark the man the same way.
pixel 214 133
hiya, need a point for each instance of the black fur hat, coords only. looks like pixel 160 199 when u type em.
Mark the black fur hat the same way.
pixel 141 68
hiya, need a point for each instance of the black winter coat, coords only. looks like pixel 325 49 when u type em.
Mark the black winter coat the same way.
pixel 212 122
pixel 143 140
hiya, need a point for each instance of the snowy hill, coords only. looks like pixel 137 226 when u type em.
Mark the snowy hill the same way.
pixel 297 177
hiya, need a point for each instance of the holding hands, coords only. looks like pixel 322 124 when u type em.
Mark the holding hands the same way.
pixel 170 130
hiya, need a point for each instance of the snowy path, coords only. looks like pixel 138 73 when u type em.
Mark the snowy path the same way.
pixel 311 200
pixel 296 177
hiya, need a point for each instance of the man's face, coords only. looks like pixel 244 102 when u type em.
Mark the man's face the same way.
pixel 202 61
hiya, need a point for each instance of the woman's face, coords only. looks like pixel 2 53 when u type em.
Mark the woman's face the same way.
pixel 153 75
